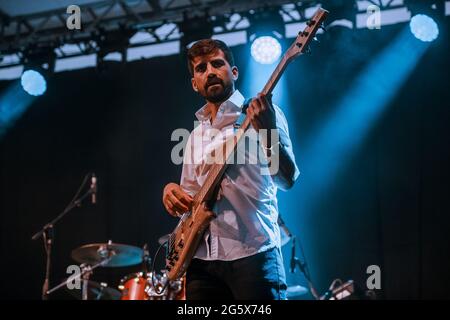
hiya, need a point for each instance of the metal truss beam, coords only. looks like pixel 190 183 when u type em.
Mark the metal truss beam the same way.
pixel 48 29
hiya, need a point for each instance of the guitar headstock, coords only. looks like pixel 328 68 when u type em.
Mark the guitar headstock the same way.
pixel 301 43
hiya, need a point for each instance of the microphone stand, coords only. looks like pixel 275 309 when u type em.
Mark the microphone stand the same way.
pixel 47 233
pixel 304 269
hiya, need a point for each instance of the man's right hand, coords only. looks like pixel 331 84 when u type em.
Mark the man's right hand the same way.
pixel 176 200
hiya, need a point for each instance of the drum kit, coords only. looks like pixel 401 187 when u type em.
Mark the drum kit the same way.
pixel 144 285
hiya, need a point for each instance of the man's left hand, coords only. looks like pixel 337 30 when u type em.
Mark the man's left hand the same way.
pixel 261 113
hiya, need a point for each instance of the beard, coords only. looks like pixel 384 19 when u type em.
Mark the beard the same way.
pixel 219 93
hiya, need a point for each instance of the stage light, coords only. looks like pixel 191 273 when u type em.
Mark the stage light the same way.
pixel 33 82
pixel 38 65
pixel 427 16
pixel 112 45
pixel 424 28
pixel 265 32
pixel 266 49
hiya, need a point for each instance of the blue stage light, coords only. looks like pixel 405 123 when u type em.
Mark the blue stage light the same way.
pixel 424 28
pixel 33 83
pixel 266 49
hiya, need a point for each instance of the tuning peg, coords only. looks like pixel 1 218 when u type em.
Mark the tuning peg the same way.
pixel 310 23
pixel 316 40
pixel 303 33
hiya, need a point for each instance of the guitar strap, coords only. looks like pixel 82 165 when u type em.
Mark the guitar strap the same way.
pixel 241 117
pixel 236 126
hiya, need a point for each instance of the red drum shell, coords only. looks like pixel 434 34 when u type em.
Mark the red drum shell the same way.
pixel 133 287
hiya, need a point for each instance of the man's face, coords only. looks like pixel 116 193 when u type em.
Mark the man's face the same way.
pixel 213 77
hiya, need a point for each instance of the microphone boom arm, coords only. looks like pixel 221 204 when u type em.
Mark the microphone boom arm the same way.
pixel 47 233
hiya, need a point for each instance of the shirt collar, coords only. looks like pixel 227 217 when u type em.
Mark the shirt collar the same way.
pixel 232 104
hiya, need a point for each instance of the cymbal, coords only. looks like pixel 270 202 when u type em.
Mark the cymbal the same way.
pixel 295 291
pixel 122 255
pixel 96 291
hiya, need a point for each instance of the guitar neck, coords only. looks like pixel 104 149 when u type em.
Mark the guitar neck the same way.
pixel 275 76
pixel 217 170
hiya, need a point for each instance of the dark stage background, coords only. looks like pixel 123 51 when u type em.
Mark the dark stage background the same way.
pixel 388 207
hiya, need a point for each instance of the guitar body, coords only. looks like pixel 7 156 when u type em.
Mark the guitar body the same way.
pixel 184 240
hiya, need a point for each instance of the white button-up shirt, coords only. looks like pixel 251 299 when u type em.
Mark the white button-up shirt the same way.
pixel 246 205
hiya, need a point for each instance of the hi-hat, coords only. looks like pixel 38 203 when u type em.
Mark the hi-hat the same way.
pixel 96 291
pixel 120 255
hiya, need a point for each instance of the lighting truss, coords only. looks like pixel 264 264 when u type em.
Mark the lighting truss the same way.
pixel 159 19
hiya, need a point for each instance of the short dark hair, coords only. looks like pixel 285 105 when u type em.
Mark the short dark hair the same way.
pixel 205 47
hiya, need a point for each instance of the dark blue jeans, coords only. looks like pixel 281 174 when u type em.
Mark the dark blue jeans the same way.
pixel 257 277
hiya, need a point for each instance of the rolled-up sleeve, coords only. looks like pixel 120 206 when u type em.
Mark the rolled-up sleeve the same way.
pixel 285 140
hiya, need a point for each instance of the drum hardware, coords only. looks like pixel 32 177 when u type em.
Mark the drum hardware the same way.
pixel 47 230
pixel 161 286
pixel 163 242
pixel 96 255
pixel 97 291
pixel 146 260
pixel 86 272
pixel 303 266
